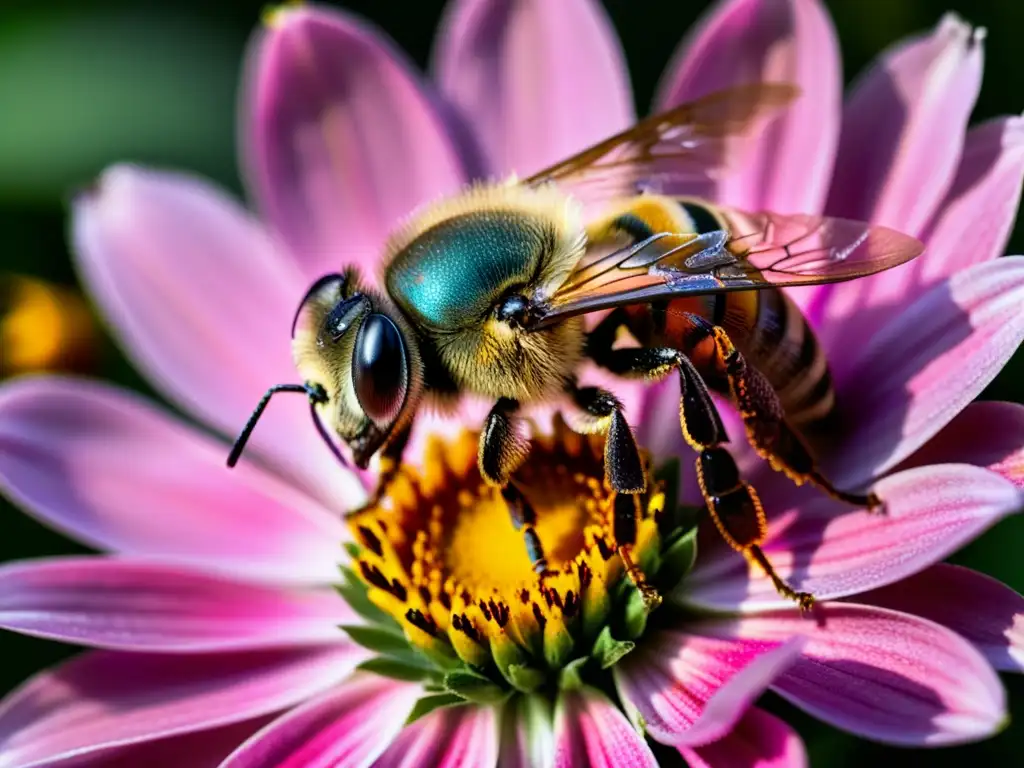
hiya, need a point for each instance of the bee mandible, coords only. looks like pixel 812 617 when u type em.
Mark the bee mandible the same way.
pixel 486 292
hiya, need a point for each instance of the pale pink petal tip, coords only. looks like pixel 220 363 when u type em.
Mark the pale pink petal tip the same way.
pixel 926 365
pixel 591 731
pixel 822 548
pixel 202 301
pixel 136 605
pixel 350 725
pixel 463 736
pixel 105 467
pixel 342 137
pixel 903 127
pixel 101 700
pixel 525 73
pixel 759 740
pixel 975 606
pixel 690 688
pixel 788 165
pixel 885 675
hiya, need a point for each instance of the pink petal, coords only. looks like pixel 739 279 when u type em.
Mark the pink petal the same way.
pixel 744 41
pixel 823 549
pixel 925 366
pixel 343 137
pixel 201 749
pixel 110 470
pixel 103 699
pixel 591 732
pixel 758 740
pixel 348 726
pixel 975 606
pixel 538 80
pixel 689 688
pixel 886 676
pixel 464 736
pixel 142 606
pixel 203 303
pixel 527 732
pixel 903 128
pixel 986 434
pixel 971 226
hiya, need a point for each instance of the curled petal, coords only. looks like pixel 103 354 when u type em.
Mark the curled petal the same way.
pixel 743 41
pixel 104 699
pixel 142 606
pixel 202 301
pixel 99 464
pixel 821 548
pixel 886 676
pixel 758 740
pixel 903 128
pixel 925 366
pixel 464 736
pixel 538 80
pixel 343 138
pixel 975 606
pixel 351 726
pixel 690 688
pixel 986 434
pixel 591 732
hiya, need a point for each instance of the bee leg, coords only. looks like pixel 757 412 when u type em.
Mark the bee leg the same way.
pixel 390 464
pixel 624 472
pixel 733 504
pixel 766 427
pixel 500 453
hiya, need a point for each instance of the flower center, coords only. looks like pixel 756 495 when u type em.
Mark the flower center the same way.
pixel 441 556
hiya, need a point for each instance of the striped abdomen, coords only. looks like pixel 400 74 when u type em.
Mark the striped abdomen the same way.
pixel 764 325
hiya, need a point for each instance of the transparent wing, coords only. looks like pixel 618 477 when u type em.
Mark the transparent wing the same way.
pixel 755 251
pixel 694 142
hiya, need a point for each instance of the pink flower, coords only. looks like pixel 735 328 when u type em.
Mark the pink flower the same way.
pixel 214 618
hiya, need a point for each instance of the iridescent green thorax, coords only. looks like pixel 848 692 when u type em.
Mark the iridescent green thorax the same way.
pixel 450 275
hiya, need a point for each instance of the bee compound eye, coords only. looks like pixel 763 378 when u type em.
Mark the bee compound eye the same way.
pixel 380 369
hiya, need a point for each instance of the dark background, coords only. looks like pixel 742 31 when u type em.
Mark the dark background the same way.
pixel 84 84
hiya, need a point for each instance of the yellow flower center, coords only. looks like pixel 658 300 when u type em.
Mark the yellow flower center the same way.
pixel 442 557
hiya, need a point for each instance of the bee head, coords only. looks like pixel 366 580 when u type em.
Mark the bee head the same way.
pixel 359 363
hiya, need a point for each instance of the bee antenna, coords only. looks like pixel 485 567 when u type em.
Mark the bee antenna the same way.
pixel 243 436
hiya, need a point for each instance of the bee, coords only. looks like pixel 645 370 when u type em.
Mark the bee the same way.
pixel 486 293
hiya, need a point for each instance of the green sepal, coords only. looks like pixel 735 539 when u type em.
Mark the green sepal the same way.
pixel 524 677
pixel 441 655
pixel 353 591
pixel 571 676
pixel 607 650
pixel 558 643
pixel 676 560
pixel 378 639
pixel 474 687
pixel 397 669
pixel 428 704
pixel 353 549
pixel 635 614
pixel 594 612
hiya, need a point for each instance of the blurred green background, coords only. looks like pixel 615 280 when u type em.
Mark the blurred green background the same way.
pixel 84 84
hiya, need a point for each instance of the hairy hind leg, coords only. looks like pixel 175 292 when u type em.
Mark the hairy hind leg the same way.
pixel 765 423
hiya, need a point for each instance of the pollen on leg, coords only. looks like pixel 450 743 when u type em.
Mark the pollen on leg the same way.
pixel 444 559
